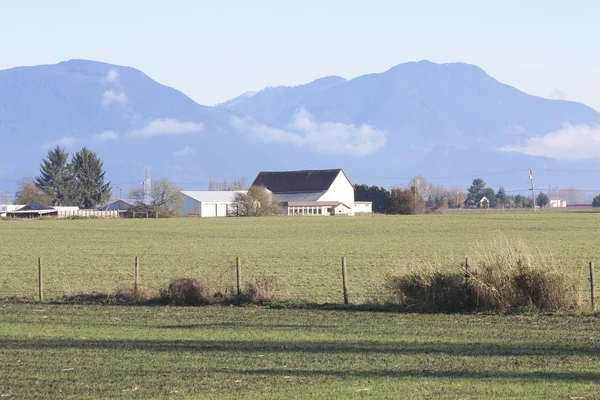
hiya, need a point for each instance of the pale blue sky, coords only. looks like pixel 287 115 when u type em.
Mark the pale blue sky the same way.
pixel 215 50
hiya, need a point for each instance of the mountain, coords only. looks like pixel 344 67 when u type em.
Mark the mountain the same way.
pixel 448 122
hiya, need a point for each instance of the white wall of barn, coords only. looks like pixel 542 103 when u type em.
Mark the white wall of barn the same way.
pixel 341 190
pixel 214 209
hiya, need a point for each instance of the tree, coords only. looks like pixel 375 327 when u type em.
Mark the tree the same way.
pixel 491 196
pixel 227 185
pixel 596 201
pixel 27 192
pixel 88 172
pixel 256 202
pixel 519 201
pixel 501 197
pixel 542 199
pixel 165 199
pixel 402 201
pixel 379 196
pixel 56 179
pixel 475 191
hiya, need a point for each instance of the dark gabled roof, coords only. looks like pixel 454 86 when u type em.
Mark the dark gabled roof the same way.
pixel 297 181
pixel 36 207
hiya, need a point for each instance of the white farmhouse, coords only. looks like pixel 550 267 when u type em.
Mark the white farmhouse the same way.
pixel 207 203
pixel 311 192
pixel 557 203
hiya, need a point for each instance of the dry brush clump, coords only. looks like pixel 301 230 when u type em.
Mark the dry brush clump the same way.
pixel 187 292
pixel 129 294
pixel 501 276
pixel 262 290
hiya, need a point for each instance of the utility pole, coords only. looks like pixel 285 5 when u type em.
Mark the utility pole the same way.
pixel 532 188
pixel 415 206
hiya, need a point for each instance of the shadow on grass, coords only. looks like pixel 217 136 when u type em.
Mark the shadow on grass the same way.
pixel 392 373
pixel 325 347
pixel 241 325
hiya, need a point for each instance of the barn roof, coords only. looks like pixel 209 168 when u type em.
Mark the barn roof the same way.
pixel 297 181
pixel 211 196
pixel 35 206
pixel 300 196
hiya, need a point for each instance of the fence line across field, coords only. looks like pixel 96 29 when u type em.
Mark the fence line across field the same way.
pixel 345 294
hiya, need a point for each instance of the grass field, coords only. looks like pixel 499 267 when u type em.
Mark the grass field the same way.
pixel 92 352
pixel 303 253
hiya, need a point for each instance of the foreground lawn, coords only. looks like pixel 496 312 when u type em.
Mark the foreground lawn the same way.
pixel 303 253
pixel 90 352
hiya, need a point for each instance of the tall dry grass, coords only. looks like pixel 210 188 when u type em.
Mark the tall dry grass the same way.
pixel 504 274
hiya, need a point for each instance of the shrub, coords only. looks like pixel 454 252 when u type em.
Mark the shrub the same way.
pixel 128 294
pixel 502 276
pixel 508 275
pixel 264 289
pixel 186 292
pixel 428 290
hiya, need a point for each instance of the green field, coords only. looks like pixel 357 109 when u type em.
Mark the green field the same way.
pixel 99 352
pixel 303 253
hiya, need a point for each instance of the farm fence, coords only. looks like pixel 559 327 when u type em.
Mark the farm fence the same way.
pixel 338 281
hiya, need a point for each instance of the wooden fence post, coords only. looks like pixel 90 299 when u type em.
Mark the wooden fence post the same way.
pixel 136 287
pixel 592 287
pixel 238 271
pixel 345 280
pixel 467 276
pixel 40 279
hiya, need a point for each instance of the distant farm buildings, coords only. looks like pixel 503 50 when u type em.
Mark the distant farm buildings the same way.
pixel 306 192
pixel 311 192
pixel 206 203
pixel 557 203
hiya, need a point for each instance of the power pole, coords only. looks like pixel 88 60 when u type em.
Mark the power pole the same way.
pixel 532 188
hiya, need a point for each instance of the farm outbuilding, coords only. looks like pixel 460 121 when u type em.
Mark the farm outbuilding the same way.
pixel 33 210
pixel 207 203
pixel 311 192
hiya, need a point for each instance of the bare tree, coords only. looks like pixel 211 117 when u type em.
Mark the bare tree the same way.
pixel 27 192
pixel 256 202
pixel 165 199
pixel 227 185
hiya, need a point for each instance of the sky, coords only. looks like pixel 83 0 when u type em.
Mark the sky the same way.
pixel 216 50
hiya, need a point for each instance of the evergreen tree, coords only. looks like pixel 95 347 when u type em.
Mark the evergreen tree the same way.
pixel 542 199
pixel 89 176
pixel 501 197
pixel 475 191
pixel 56 178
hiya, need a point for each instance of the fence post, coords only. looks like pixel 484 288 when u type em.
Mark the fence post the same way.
pixel 40 279
pixel 345 280
pixel 592 287
pixel 238 272
pixel 467 276
pixel 136 287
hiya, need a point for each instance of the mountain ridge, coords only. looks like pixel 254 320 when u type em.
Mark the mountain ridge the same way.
pixel 413 118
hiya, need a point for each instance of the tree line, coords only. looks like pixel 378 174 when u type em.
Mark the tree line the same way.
pixel 421 196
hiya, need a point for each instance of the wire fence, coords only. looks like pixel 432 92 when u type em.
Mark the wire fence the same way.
pixel 325 281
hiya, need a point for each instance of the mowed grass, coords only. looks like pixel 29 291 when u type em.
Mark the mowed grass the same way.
pixel 93 352
pixel 303 253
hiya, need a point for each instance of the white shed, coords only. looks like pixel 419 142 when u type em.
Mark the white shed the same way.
pixel 207 203
pixel 363 207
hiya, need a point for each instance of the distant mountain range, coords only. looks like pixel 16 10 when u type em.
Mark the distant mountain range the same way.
pixel 448 122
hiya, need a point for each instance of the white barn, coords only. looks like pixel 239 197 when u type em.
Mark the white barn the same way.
pixel 207 203
pixel 311 192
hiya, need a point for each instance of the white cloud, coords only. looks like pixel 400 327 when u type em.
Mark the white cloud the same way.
pixel 106 135
pixel 113 96
pixel 186 151
pixel 168 126
pixel 571 142
pixel 326 137
pixel 112 76
pixel 65 142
